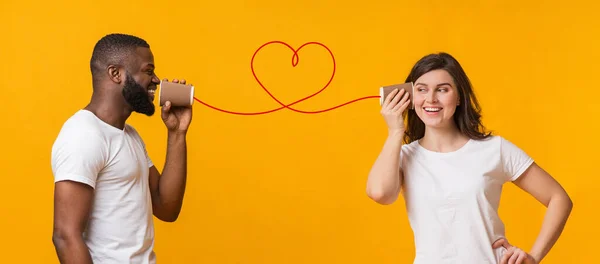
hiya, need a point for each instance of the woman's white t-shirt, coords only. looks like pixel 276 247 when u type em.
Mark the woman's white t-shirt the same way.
pixel 452 198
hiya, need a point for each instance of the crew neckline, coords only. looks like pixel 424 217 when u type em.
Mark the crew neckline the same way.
pixel 116 129
pixel 454 152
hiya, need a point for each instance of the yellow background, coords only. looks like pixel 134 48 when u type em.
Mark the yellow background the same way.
pixel 289 187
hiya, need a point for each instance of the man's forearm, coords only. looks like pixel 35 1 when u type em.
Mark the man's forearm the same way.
pixel 72 251
pixel 173 179
pixel 554 221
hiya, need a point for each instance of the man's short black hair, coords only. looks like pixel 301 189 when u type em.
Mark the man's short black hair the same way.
pixel 113 49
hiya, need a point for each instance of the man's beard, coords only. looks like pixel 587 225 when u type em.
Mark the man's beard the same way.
pixel 137 97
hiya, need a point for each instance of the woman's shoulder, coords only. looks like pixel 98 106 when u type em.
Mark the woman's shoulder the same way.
pixel 496 142
pixel 410 146
pixel 491 139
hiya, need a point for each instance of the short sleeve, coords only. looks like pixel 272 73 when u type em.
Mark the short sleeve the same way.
pixel 78 156
pixel 150 164
pixel 514 160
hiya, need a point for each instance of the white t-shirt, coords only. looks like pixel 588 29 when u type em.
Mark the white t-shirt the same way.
pixel 452 199
pixel 115 163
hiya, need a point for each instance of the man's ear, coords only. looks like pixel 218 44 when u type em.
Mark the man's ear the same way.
pixel 114 74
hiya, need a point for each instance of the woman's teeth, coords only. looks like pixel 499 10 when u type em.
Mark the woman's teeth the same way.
pixel 432 109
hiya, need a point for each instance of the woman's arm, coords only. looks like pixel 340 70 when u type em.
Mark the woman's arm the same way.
pixel 385 177
pixel 551 194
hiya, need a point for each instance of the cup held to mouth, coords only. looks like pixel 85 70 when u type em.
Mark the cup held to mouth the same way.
pixel 178 94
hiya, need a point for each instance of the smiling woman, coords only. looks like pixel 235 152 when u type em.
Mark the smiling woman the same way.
pixel 441 82
pixel 437 98
pixel 452 172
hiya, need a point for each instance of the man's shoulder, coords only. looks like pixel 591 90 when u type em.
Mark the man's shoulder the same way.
pixel 80 123
pixel 79 139
pixel 81 129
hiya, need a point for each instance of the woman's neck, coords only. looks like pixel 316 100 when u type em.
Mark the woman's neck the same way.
pixel 444 139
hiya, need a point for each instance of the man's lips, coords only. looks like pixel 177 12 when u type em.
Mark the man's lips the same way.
pixel 152 92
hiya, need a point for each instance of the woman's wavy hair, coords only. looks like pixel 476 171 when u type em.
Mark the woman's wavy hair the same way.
pixel 468 113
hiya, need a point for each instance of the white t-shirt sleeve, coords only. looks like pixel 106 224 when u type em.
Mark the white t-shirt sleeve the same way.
pixel 514 160
pixel 150 164
pixel 78 157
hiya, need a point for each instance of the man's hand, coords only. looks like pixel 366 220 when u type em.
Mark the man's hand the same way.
pixel 177 119
pixel 513 255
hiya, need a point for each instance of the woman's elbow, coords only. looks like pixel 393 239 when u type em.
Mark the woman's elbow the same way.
pixel 381 196
pixel 563 201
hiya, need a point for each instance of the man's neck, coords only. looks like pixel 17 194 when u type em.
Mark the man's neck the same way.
pixel 110 109
pixel 443 139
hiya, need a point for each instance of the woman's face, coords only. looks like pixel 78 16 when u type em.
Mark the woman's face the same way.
pixel 436 98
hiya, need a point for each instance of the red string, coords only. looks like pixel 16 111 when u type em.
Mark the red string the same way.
pixel 295 60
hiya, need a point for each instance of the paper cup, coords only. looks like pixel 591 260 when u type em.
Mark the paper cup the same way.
pixel 384 91
pixel 178 94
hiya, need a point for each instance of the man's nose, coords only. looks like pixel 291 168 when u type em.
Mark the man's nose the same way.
pixel 155 79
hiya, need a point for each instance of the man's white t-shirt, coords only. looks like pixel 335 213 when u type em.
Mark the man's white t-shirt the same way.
pixel 115 163
pixel 452 199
